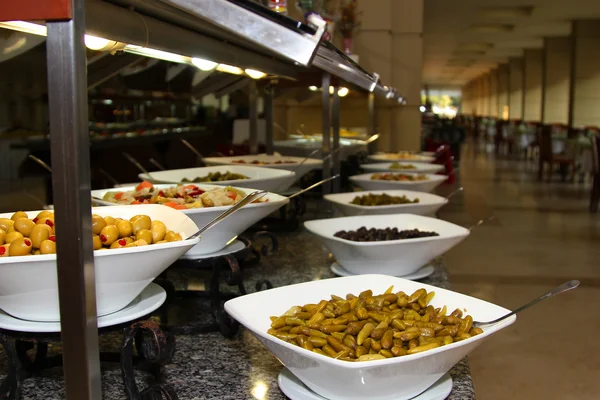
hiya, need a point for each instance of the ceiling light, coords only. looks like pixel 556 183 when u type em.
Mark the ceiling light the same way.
pixel 343 92
pixel 331 89
pixel 204 65
pixel 159 54
pixel 229 69
pixel 27 27
pixel 313 88
pixel 254 74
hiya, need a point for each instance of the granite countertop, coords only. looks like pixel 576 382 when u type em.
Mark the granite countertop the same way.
pixel 209 366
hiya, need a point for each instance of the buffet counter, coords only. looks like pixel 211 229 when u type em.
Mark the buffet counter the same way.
pixel 210 366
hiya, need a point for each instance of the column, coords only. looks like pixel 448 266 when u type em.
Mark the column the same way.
pixel 493 76
pixel 515 84
pixel 585 97
pixel 533 70
pixel 485 94
pixel 503 91
pixel 557 80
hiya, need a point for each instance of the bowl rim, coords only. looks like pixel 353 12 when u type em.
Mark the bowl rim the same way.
pixel 104 253
pixel 465 232
pixel 228 160
pixel 439 200
pixel 419 163
pixel 366 178
pixel 389 361
pixel 277 198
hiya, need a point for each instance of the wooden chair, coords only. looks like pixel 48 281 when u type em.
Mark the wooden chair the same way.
pixel 548 157
pixel 595 195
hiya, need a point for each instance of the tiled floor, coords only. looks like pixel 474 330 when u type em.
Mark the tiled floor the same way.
pixel 542 236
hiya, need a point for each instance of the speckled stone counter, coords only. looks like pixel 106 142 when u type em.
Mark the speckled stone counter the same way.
pixel 209 366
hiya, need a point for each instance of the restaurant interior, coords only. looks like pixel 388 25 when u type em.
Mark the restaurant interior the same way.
pixel 305 200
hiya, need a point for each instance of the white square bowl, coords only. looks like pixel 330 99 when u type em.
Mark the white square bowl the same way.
pixel 392 379
pixel 390 157
pixel 216 238
pixel 420 167
pixel 365 182
pixel 269 179
pixel 292 165
pixel 391 257
pixel 428 203
pixel 29 287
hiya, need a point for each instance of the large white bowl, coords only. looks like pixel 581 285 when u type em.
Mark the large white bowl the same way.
pixel 428 203
pixel 365 182
pixel 269 179
pixel 303 147
pixel 392 379
pixel 216 239
pixel 421 168
pixel 300 170
pixel 28 284
pixel 390 157
pixel 392 257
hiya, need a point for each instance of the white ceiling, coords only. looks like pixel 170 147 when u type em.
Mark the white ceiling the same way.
pixel 457 48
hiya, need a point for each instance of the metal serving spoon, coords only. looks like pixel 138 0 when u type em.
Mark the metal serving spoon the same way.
pixel 194 150
pixel 313 186
pixel 557 290
pixel 137 164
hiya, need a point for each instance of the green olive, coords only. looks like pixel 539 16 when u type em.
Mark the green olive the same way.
pixel 144 234
pixel 142 222
pixel 44 214
pixel 125 228
pixel 109 234
pixel 2 236
pixel 24 225
pixel 117 244
pixel 19 214
pixel 39 233
pixel 158 232
pixel 140 242
pixel 12 236
pixel 157 222
pixel 97 224
pixel 4 250
pixel 97 242
pixel 46 221
pixel 110 220
pixel 36 252
pixel 172 237
pixel 6 223
pixel 20 247
pixel 48 247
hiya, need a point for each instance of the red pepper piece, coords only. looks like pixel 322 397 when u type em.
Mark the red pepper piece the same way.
pixel 103 238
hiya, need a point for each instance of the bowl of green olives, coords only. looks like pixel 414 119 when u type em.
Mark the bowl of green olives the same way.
pixel 132 246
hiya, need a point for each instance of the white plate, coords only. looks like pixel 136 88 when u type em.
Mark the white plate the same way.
pixel 293 388
pixel 303 147
pixel 420 168
pixel 216 239
pixel 420 274
pixel 152 297
pixel 386 157
pixel 428 203
pixel 392 378
pixel 392 257
pixel 197 252
pixel 300 170
pixel 365 182
pixel 29 284
pixel 269 179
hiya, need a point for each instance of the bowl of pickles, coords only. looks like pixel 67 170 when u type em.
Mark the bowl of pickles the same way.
pixel 386 202
pixel 367 337
pixel 398 180
pixel 408 166
pixel 132 246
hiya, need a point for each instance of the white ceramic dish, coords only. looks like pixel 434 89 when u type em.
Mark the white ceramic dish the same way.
pixel 29 287
pixel 152 297
pixel 419 274
pixel 197 253
pixel 398 378
pixel 293 388
pixel 392 257
pixel 217 238
pixel 303 147
pixel 421 168
pixel 428 203
pixel 269 179
pixel 365 182
pixel 387 157
pixel 294 166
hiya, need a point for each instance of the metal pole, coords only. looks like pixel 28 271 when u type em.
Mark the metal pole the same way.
pixel 269 119
pixel 253 117
pixel 326 120
pixel 67 92
pixel 335 119
pixel 372 121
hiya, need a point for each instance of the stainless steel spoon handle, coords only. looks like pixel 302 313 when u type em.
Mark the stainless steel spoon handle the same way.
pixel 460 189
pixel 40 162
pixel 557 290
pixel 246 200
pixel 193 149
pixel 136 163
pixel 307 157
pixel 481 222
pixel 157 164
pixel 314 186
